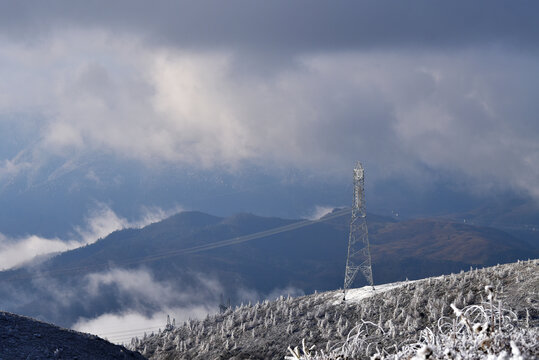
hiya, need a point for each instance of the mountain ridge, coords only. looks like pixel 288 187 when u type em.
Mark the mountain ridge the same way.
pixel 307 259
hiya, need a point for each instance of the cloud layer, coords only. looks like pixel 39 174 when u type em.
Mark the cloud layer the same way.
pixel 280 26
pixel 439 96
pixel 101 221
pixel 404 113
pixel 146 302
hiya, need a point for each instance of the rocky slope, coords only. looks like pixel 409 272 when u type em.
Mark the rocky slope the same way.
pixel 25 338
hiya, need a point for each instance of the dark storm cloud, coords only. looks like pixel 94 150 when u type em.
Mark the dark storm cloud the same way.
pixel 403 85
pixel 287 25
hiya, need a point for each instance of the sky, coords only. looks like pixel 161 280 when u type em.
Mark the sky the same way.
pixel 262 107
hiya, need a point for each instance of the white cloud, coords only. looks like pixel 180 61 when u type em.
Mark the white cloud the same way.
pixel 100 222
pixel 319 212
pixel 153 214
pixel 141 293
pixel 141 290
pixel 19 251
pixel 137 284
pixel 122 327
pixel 181 302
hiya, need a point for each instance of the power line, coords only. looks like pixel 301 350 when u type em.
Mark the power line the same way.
pixel 126 336
pixel 190 250
pixel 125 332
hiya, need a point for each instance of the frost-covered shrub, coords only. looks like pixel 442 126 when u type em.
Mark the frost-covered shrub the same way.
pixel 484 331
pixel 265 330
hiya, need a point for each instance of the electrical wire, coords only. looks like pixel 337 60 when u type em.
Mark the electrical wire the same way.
pixel 191 250
pixel 126 336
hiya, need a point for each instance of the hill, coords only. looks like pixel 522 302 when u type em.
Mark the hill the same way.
pixel 26 338
pixel 517 217
pixel 88 281
pixel 389 317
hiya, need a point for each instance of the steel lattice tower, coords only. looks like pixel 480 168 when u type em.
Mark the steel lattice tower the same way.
pixel 359 253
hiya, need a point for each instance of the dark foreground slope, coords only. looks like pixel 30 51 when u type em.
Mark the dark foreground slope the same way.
pixel 25 338
pixel 401 310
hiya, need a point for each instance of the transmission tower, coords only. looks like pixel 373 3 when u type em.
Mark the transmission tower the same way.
pixel 359 253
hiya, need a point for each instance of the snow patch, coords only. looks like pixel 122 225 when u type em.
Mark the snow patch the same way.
pixel 358 294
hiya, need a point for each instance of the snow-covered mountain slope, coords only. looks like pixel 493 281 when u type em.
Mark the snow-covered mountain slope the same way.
pixel 398 312
pixel 25 338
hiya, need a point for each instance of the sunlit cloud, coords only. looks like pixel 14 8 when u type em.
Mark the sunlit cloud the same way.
pixel 15 252
pixel 320 211
pixel 407 112
pixel 99 223
pixel 398 111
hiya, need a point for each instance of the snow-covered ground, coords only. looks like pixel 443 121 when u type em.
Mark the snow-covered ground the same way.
pixel 391 314
pixel 358 294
